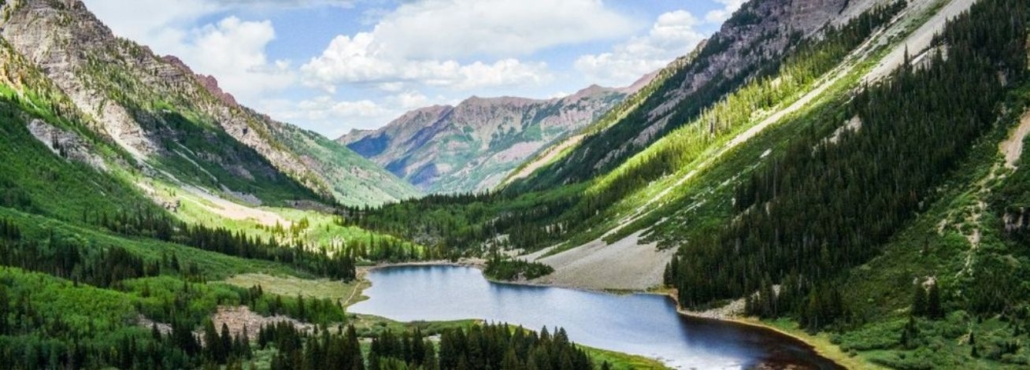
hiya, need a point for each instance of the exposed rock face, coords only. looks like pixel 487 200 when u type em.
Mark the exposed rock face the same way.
pixel 139 100
pixel 757 35
pixel 34 29
pixel 67 144
pixel 473 146
pixel 760 31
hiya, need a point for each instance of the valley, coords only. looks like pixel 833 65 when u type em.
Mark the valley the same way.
pixel 820 184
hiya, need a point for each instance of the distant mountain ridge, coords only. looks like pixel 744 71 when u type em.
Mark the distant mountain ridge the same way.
pixel 476 144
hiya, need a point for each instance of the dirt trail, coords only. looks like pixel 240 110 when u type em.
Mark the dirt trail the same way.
pixel 1012 148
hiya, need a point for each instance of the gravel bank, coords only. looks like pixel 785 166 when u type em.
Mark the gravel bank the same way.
pixel 623 265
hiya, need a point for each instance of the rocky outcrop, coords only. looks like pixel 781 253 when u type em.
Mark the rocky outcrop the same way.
pixel 66 144
pixel 141 101
pixel 755 37
pixel 759 32
pixel 474 145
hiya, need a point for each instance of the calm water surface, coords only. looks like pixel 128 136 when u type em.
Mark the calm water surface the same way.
pixel 639 324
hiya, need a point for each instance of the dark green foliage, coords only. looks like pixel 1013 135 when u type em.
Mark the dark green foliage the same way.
pixel 221 240
pixel 926 302
pixel 805 60
pixel 491 346
pixel 820 209
pixel 324 350
pixel 33 179
pixel 454 224
pixel 49 323
pixel 919 300
pixel 509 269
pixel 533 220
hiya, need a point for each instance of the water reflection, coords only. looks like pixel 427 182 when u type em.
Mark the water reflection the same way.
pixel 639 324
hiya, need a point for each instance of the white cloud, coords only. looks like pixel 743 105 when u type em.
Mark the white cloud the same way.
pixel 234 52
pixel 423 43
pixel 721 15
pixel 673 34
pixel 410 100
pixel 358 60
pixel 333 117
pixel 444 29
pixel 329 116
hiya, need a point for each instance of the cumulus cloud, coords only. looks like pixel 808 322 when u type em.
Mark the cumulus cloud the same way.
pixel 334 117
pixel 409 100
pixel 231 49
pixel 234 52
pixel 360 60
pixel 672 35
pixel 443 29
pixel 721 15
pixel 422 43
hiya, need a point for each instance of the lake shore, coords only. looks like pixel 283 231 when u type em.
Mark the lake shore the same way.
pixel 820 344
pixel 478 263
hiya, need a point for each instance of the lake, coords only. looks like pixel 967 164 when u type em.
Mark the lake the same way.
pixel 640 324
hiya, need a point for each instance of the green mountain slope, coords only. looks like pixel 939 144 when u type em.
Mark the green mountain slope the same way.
pixel 865 186
pixel 178 125
pixel 749 46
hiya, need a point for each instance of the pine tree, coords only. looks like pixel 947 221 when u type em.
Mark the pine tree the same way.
pixel 918 300
pixel 933 305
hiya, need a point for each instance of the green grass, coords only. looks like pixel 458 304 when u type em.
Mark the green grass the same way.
pixel 212 265
pixel 352 180
pixel 289 286
pixel 621 361
pixel 822 342
pixel 368 325
pixel 35 180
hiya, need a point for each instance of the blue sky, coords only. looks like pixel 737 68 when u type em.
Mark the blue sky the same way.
pixel 335 65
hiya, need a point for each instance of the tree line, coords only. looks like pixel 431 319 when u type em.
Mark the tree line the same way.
pixel 489 346
pixel 456 224
pixel 145 222
pixel 822 207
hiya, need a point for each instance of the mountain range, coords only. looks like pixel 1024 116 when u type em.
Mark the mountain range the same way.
pixel 848 172
pixel 471 147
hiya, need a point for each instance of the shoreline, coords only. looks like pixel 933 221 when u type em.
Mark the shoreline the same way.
pixel 839 358
pixel 477 263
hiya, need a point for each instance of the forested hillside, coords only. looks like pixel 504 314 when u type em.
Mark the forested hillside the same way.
pixel 749 46
pixel 533 220
pixel 877 208
pixel 851 172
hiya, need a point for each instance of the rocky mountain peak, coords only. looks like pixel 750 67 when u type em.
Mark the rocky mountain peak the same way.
pixel 208 82
pixel 472 146
pixel 150 105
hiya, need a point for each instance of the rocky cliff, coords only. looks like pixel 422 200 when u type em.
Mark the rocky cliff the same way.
pixel 167 117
